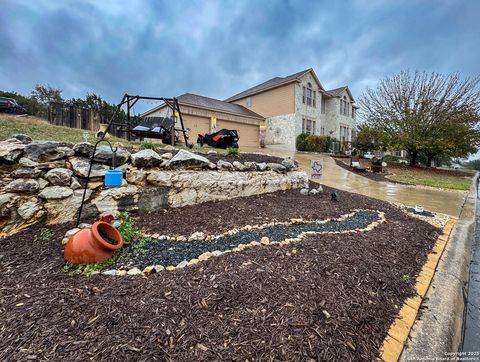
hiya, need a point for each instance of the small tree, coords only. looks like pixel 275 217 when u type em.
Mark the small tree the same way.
pixel 431 113
pixel 371 139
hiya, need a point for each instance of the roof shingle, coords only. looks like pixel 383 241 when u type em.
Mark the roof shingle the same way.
pixel 268 84
pixel 212 103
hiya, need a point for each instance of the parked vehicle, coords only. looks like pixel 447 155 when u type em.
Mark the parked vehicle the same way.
pixel 221 139
pixel 10 105
pixel 368 155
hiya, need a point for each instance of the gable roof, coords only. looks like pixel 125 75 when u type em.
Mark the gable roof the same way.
pixel 338 91
pixel 273 83
pixel 196 100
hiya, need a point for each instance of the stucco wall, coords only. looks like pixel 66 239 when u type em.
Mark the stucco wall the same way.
pixel 271 103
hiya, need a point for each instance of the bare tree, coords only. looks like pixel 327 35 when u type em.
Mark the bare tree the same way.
pixel 421 112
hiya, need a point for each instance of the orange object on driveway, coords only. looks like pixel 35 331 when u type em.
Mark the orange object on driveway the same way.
pixel 89 246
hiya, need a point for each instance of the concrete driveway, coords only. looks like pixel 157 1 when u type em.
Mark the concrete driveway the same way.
pixel 447 202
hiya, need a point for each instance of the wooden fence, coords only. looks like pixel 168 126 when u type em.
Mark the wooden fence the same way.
pixel 66 115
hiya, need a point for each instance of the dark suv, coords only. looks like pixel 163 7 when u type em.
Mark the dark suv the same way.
pixel 10 105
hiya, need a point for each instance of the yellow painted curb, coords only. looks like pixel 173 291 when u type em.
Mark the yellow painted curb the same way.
pixel 399 330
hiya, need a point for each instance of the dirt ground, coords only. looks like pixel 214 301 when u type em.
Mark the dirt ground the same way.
pixel 329 297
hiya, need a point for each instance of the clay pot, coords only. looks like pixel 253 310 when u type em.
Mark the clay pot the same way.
pixel 89 246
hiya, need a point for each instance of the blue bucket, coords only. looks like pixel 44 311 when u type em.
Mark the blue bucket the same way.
pixel 113 178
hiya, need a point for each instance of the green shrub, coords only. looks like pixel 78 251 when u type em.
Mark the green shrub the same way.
pixel 148 145
pixel 128 229
pixel 232 151
pixel 313 143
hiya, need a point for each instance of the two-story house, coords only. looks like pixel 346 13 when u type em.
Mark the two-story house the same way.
pixel 298 103
pixel 273 112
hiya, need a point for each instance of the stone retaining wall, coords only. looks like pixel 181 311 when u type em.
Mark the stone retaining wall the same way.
pixel 43 181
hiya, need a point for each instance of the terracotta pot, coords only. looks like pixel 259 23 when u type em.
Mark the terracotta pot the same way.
pixel 88 246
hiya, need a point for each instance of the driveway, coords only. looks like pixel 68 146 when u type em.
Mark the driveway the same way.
pixel 444 201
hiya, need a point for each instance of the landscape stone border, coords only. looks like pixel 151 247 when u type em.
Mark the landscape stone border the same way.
pixel 399 330
pixel 264 241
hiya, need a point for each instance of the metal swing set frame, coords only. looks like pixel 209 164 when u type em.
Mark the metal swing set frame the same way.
pixel 127 126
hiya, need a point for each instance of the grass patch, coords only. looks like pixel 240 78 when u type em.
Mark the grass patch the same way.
pixel 40 129
pixel 430 177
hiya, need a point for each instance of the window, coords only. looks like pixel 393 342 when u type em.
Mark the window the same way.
pixel 249 102
pixel 353 112
pixel 304 95
pixel 309 94
pixel 314 99
pixel 308 126
pixel 322 131
pixel 324 105
pixel 344 106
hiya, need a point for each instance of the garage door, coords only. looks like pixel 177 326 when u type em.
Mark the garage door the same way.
pixel 249 134
pixel 198 125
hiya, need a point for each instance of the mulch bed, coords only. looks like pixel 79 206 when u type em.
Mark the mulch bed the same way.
pixel 370 175
pixel 328 297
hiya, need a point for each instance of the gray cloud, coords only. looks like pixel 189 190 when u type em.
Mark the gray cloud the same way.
pixel 218 48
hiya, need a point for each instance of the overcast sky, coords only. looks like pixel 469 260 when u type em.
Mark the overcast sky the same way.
pixel 219 48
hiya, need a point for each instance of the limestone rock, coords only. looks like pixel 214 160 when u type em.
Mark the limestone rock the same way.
pixel 289 163
pixel 224 165
pixel 304 191
pixel 75 185
pixel 320 188
pixel 51 164
pixel 42 183
pixel 44 151
pixel 212 152
pixel 198 235
pixel 250 166
pixel 149 270
pixel 117 199
pixel 110 272
pixel 265 241
pixel 84 225
pixel 64 210
pixel 25 139
pixel 27 210
pixel 10 152
pixel 22 185
pixel 169 148
pixel 104 154
pixel 55 192
pixel 182 264
pixel 313 191
pixel 59 176
pixel 187 160
pixel 238 166
pixel 262 166
pixel 212 166
pixel 134 271
pixel 26 173
pixel 83 149
pixel 167 155
pixel 80 167
pixel 146 158
pixel 276 167
pixel 136 176
pixel 26 162
pixel 160 178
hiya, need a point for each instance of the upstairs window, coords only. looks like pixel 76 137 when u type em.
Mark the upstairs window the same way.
pixel 309 94
pixel 324 105
pixel 304 96
pixel 344 106
pixel 314 99
pixel 353 112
